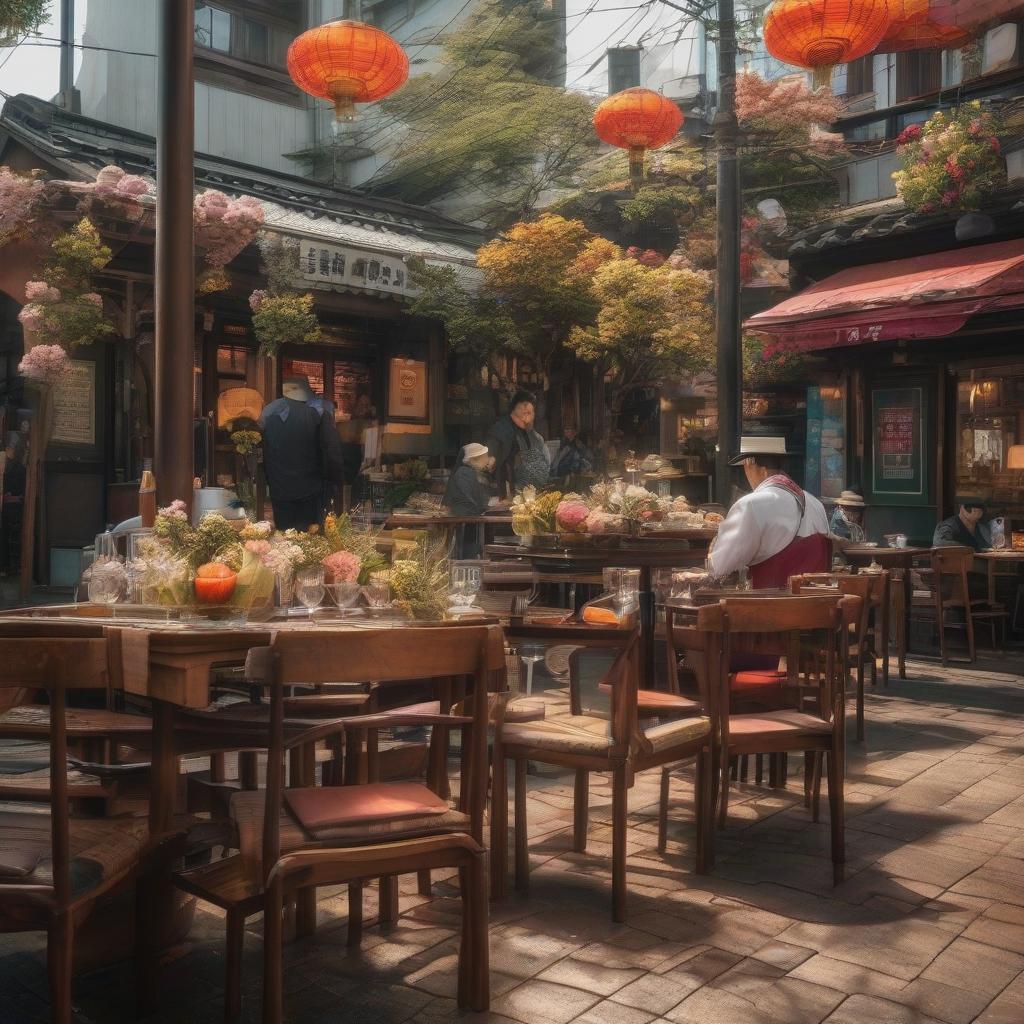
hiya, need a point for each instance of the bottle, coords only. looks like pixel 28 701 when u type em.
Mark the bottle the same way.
pixel 147 495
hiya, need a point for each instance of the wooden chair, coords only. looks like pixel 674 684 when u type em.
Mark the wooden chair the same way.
pixel 950 591
pixel 589 742
pixel 290 841
pixel 873 591
pixel 55 868
pixel 809 632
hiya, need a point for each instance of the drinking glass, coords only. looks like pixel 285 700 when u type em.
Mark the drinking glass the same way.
pixel 623 585
pixel 682 586
pixel 661 584
pixel 472 584
pixel 344 595
pixel 378 593
pixel 106 582
pixel 105 546
pixel 530 654
pixel 309 587
pixel 459 585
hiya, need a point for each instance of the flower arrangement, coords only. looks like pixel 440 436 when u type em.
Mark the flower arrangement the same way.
pixel 62 307
pixel 114 185
pixel 951 163
pixel 632 503
pixel 20 198
pixel 420 583
pixel 534 513
pixel 571 515
pixel 248 442
pixel 283 319
pixel 45 365
pixel 224 226
pixel 343 567
pixel 342 536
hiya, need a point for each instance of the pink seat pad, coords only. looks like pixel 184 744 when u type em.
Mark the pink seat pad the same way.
pixel 332 806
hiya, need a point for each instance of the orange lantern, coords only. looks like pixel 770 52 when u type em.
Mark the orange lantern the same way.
pixel 820 33
pixel 914 28
pixel 347 62
pixel 637 119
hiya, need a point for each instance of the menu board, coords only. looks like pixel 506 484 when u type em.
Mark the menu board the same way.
pixel 898 463
pixel 74 405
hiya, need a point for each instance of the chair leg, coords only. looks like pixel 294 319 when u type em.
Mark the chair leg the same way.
pixel 723 789
pixel 580 810
pixel 619 812
pixel 423 883
pixel 705 810
pixel 836 813
pixel 816 787
pixel 247 776
pixel 522 842
pixel 388 899
pixel 355 914
pixel 474 958
pixel 808 777
pixel 305 912
pixel 970 632
pixel 499 826
pixel 234 942
pixel 860 698
pixel 759 769
pixel 149 888
pixel 59 951
pixel 663 810
pixel 744 768
pixel 273 954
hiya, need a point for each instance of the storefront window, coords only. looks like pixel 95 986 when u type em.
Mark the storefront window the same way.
pixel 989 422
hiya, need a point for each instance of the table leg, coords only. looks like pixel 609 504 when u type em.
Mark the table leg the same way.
pixel 991 582
pixel 903 642
pixel 648 620
pixel 884 629
pixel 164 771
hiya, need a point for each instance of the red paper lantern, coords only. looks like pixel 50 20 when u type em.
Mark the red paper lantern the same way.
pixel 347 62
pixel 820 33
pixel 637 119
pixel 914 28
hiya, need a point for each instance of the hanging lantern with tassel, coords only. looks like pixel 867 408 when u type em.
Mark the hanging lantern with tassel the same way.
pixel 914 28
pixel 347 62
pixel 818 34
pixel 637 120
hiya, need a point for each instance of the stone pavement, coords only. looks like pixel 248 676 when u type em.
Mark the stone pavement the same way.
pixel 928 926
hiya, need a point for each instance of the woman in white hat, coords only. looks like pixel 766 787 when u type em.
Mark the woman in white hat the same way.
pixel 848 518
pixel 468 494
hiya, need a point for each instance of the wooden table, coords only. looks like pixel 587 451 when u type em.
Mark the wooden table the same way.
pixel 893 558
pixel 994 558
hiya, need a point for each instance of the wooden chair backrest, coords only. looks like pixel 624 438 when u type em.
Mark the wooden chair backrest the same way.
pixel 55 665
pixel 954 563
pixel 383 655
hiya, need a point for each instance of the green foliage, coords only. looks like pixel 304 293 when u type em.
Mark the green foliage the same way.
pixel 654 202
pixel 20 18
pixel 285 320
pixel 341 535
pixel 489 120
pixel 77 255
pixel 420 583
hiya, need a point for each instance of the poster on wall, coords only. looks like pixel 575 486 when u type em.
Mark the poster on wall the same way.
pixel 74 405
pixel 898 456
pixel 407 390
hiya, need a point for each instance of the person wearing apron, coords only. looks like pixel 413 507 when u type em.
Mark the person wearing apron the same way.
pixel 776 531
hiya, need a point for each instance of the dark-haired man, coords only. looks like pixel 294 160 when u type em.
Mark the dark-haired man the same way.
pixel 965 529
pixel 520 456
pixel 778 530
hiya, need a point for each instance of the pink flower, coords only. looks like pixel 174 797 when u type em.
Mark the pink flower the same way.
pixel 40 291
pixel 132 185
pixel 209 206
pixel 909 134
pixel 258 547
pixel 176 510
pixel 257 299
pixel 928 208
pixel 994 144
pixel 600 521
pixel 974 128
pixel 571 515
pixel 31 318
pixel 45 364
pixel 107 179
pixel 343 566
pixel 94 298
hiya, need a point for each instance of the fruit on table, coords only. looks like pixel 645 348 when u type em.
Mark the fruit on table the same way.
pixel 215 583
pixel 597 615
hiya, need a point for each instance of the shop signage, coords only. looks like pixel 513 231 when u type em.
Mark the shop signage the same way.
pixel 74 405
pixel 407 390
pixel 898 444
pixel 353 268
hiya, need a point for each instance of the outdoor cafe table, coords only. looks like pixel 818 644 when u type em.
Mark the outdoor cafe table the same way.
pixel 675 550
pixel 170 663
pixel 992 560
pixel 892 558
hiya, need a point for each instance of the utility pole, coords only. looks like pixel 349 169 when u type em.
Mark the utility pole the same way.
pixel 68 94
pixel 174 267
pixel 727 304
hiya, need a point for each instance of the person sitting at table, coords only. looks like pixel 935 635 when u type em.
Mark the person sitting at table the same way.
pixel 848 518
pixel 778 530
pixel 966 528
pixel 468 494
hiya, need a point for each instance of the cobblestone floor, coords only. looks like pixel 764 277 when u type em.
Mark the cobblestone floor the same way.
pixel 928 926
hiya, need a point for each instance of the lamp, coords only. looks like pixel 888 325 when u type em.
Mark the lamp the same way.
pixel 1015 456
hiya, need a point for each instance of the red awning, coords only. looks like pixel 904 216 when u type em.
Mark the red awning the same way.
pixel 924 297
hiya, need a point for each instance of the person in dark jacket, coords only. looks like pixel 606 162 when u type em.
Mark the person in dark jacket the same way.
pixel 572 457
pixel 520 455
pixel 468 494
pixel 301 455
pixel 965 529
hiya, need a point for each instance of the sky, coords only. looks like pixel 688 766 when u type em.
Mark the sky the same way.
pixel 591 26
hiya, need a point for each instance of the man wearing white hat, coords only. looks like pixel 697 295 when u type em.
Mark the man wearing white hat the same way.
pixel 778 530
pixel 468 493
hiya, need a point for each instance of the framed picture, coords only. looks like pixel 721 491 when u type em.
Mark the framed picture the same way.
pixel 407 391
pixel 899 461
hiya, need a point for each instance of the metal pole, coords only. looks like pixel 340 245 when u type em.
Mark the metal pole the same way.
pixel 175 273
pixel 727 306
pixel 67 54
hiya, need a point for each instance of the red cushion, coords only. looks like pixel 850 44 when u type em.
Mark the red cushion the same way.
pixel 758 677
pixel 775 722
pixel 333 806
pixel 659 702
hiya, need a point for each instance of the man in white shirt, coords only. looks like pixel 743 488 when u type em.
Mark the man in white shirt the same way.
pixel 778 530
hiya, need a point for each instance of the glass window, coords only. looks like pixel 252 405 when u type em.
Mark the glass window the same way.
pixel 1000 48
pixel 233 359
pixel 213 28
pixel 256 41
pixel 353 389
pixel 313 369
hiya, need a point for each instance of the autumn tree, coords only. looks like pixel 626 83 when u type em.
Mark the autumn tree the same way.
pixel 653 325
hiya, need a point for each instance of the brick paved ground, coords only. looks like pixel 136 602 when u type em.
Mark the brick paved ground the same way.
pixel 928 926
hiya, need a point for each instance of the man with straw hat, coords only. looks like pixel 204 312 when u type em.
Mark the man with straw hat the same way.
pixel 848 517
pixel 778 530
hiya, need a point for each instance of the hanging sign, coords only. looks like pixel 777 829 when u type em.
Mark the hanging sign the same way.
pixel 354 268
pixel 74 405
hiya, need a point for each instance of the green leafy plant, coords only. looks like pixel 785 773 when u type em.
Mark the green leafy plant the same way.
pixel 342 535
pixel 19 18
pixel 420 583
pixel 283 320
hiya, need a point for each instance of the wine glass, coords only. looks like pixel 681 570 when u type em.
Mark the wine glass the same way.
pixel 309 587
pixel 530 654
pixel 472 584
pixel 344 594
pixel 106 582
pixel 459 585
pixel 378 593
